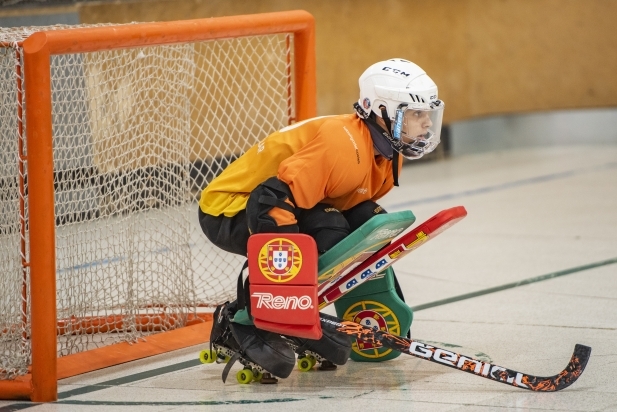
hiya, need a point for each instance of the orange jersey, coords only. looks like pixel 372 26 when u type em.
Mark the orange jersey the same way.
pixel 323 160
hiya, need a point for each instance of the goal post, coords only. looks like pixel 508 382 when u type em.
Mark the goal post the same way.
pixel 123 143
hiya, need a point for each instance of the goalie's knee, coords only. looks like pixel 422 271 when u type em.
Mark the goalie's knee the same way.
pixel 269 194
pixel 325 224
pixel 361 213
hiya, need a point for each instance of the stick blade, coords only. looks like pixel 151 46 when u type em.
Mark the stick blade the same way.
pixel 565 378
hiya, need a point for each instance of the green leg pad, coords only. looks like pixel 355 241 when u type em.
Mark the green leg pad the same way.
pixel 242 317
pixel 375 304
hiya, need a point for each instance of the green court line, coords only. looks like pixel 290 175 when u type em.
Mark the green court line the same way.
pixel 17 407
pixel 514 284
pixel 193 363
pixel 130 378
pixel 21 406
pixel 205 403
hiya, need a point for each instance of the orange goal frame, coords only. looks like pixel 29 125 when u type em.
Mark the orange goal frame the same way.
pixel 40 385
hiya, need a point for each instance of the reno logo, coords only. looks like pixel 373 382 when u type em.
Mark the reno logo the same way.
pixel 280 260
pixel 269 301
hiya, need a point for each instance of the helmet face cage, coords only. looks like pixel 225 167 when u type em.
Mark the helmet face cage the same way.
pixel 416 129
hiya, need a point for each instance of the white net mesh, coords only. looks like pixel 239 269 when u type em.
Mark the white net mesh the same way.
pixel 14 325
pixel 137 134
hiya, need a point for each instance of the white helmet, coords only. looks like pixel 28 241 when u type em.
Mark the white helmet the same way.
pixel 403 91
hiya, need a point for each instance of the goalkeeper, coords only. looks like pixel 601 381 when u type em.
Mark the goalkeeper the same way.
pixel 321 177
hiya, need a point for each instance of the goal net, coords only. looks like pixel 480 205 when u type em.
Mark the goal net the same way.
pixel 138 132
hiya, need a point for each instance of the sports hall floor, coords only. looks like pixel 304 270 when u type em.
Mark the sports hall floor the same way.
pixel 544 216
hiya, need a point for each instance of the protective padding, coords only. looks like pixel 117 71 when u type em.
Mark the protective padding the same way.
pixel 375 303
pixel 325 224
pixel 269 194
pixel 242 317
pixel 283 284
pixel 362 213
pixel 362 243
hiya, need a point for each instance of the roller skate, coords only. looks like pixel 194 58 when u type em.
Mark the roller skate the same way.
pixel 264 355
pixel 331 350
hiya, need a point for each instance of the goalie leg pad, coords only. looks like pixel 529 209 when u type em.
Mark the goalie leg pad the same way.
pixel 376 303
pixel 283 284
pixel 325 224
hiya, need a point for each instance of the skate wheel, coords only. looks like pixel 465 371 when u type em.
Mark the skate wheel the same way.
pixel 245 376
pixel 313 361
pixel 225 359
pixel 305 364
pixel 257 375
pixel 207 356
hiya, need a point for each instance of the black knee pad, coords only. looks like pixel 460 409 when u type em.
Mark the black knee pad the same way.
pixel 360 213
pixel 229 233
pixel 325 224
pixel 262 199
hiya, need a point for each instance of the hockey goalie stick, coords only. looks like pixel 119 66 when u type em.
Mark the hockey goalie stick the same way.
pixel 390 253
pixel 412 347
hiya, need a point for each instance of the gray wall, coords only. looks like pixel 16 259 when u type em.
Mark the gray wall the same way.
pixel 580 127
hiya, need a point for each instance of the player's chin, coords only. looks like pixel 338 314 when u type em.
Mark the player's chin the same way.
pixel 417 139
pixel 414 139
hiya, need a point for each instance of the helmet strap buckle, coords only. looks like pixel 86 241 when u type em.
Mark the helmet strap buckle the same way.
pixel 386 118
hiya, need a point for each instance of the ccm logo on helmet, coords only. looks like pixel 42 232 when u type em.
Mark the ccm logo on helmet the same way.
pixel 269 301
pixel 396 71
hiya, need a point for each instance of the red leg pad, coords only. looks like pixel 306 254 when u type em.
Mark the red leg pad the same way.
pixel 283 284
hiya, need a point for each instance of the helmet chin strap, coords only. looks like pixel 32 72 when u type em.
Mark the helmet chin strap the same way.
pixel 375 128
pixel 395 153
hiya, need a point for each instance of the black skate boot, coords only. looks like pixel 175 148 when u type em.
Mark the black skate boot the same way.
pixel 262 353
pixel 331 350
